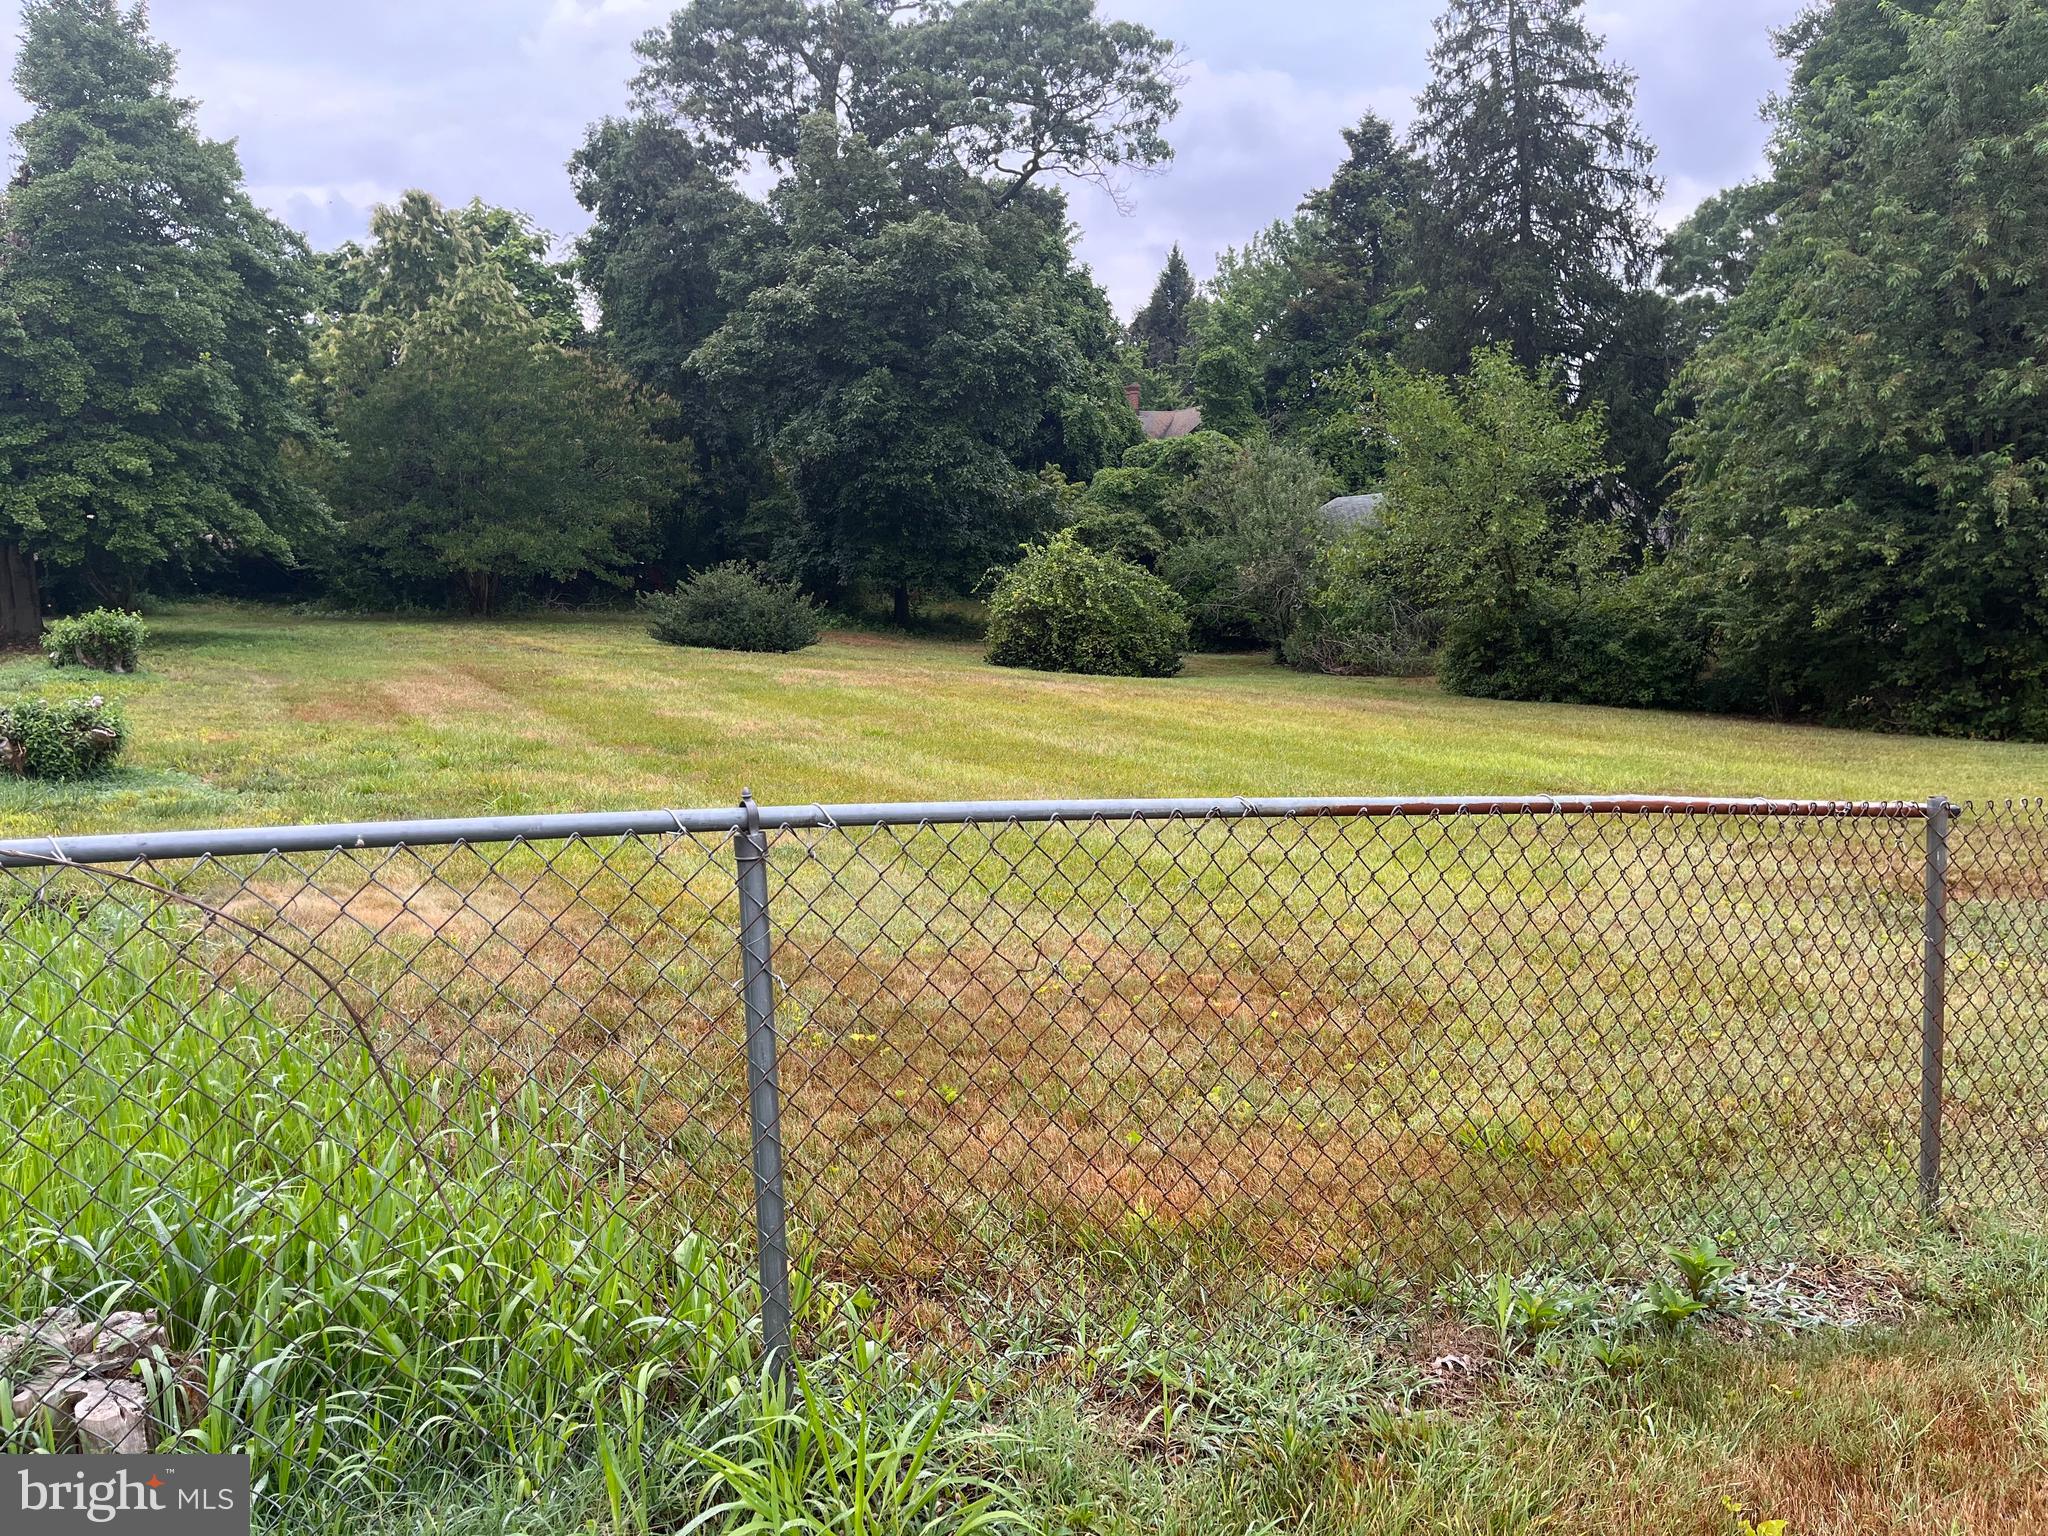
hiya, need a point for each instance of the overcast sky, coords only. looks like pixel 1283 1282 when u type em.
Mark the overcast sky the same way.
pixel 338 105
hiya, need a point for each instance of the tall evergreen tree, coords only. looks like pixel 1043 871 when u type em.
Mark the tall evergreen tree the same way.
pixel 151 318
pixel 1866 495
pixel 1163 328
pixel 1349 276
pixel 1537 221
pixel 1356 266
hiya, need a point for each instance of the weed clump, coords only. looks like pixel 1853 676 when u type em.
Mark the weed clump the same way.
pixel 70 739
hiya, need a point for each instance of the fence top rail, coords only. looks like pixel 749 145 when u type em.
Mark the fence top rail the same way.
pixel 226 842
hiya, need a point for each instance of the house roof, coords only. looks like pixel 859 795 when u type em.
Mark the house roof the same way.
pixel 1158 424
pixel 1355 511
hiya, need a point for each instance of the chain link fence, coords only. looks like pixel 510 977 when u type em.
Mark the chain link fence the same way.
pixel 387 1151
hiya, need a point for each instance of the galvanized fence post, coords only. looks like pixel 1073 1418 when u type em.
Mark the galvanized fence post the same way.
pixel 1933 1003
pixel 764 1089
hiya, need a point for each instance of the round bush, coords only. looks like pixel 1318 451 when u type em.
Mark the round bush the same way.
pixel 106 638
pixel 732 607
pixel 1067 608
pixel 74 739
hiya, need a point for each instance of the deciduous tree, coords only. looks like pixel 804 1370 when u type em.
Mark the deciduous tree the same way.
pixel 1014 91
pixel 902 361
pixel 477 453
pixel 899 328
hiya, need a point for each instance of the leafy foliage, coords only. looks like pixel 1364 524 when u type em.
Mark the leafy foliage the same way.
pixel 732 607
pixel 1067 608
pixel 71 739
pixel 1366 614
pixel 1224 390
pixel 665 227
pixel 1486 537
pixel 1141 508
pixel 904 364
pixel 418 255
pixel 1255 528
pixel 477 453
pixel 1866 467
pixel 1011 90
pixel 1593 638
pixel 897 335
pixel 1311 301
pixel 106 639
pixel 150 322
pixel 1480 483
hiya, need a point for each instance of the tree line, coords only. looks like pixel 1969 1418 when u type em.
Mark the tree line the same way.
pixel 1786 458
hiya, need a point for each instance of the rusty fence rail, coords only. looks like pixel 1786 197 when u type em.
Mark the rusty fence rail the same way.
pixel 710 1068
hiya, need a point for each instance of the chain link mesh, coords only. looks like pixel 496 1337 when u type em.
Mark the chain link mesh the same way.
pixel 388 1164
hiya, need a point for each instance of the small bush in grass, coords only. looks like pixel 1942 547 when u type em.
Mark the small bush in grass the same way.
pixel 1067 608
pixel 106 638
pixel 733 607
pixel 74 739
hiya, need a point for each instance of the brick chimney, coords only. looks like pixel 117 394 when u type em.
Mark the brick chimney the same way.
pixel 1133 393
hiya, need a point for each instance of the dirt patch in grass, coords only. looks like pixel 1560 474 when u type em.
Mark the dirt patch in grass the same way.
pixel 447 694
pixel 436 696
pixel 1456 1363
pixel 346 706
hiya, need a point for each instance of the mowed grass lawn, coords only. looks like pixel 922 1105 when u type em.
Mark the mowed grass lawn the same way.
pixel 246 715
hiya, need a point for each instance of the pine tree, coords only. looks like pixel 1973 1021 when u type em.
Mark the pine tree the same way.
pixel 1350 272
pixel 1163 327
pixel 1537 221
pixel 151 318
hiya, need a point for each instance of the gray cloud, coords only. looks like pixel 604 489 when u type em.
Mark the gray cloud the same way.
pixel 338 107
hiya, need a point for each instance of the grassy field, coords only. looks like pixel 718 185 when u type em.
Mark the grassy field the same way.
pixel 251 715
pixel 1053 1098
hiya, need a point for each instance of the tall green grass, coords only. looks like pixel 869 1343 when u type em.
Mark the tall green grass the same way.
pixel 378 1279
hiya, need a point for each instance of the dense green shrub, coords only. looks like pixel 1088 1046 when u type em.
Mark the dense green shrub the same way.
pixel 1371 633
pixel 74 739
pixel 1620 641
pixel 1067 608
pixel 1485 555
pixel 106 638
pixel 1209 575
pixel 1124 535
pixel 1374 609
pixel 732 607
pixel 1255 530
